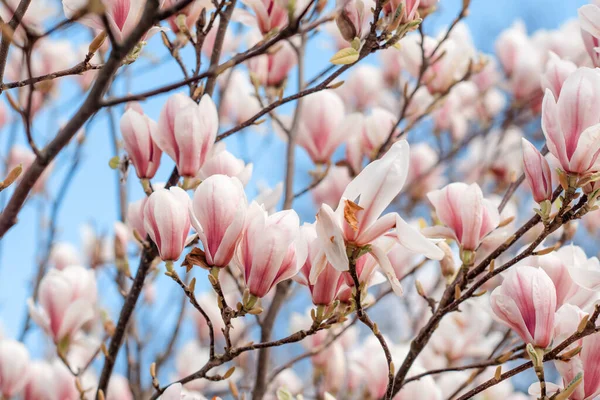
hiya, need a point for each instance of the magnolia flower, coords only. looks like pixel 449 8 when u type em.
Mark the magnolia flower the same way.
pixel 122 15
pixel 467 216
pixel 556 73
pixel 522 62
pixel 271 249
pixel 352 19
pixel 319 131
pixel 268 15
pixel 401 11
pixel 219 211
pixel 167 221
pixel 537 172
pixel 187 131
pixel 64 254
pixel 14 367
pixel 586 362
pixel 356 221
pixel 571 123
pixel 137 129
pixel 67 301
pixel 41 384
pixel 191 12
pixel 589 19
pixel 526 302
pixel 221 161
pixel 327 286
pixel 272 69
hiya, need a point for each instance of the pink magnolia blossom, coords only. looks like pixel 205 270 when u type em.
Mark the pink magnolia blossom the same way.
pixel 359 224
pixel 526 302
pixel 409 9
pixel 64 254
pixel 571 123
pixel 587 363
pixel 522 62
pixel 353 18
pixel 187 131
pixel 272 69
pixel 40 383
pixel 331 188
pixel 467 216
pixel 137 130
pixel 320 122
pixel 167 221
pixel 556 73
pixel 135 216
pixel 589 19
pixel 271 250
pixel 67 301
pixel 14 367
pixel 220 161
pixel 537 172
pixel 191 13
pixel 268 15
pixel 325 288
pixel 37 13
pixel 566 322
pixel 219 211
pixel 123 16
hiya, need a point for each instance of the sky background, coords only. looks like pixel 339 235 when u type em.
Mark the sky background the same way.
pixel 92 196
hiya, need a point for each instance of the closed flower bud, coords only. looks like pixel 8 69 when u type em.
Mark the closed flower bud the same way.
pixel 571 122
pixel 167 221
pixel 137 129
pixel 219 211
pixel 467 216
pixel 526 302
pixel 271 250
pixel 67 301
pixel 537 172
pixel 187 131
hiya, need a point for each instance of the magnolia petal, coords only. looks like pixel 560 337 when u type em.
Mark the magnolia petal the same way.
pixel 332 238
pixel 414 240
pixel 386 266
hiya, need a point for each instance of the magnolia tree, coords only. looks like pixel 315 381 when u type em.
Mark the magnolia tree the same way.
pixel 441 258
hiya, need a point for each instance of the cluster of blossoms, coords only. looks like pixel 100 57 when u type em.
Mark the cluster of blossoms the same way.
pixel 490 277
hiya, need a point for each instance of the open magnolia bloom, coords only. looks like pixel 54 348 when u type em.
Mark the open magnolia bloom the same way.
pixel 356 222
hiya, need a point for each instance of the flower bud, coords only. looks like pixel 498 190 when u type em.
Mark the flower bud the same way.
pixel 537 172
pixel 187 131
pixel 136 129
pixel 167 221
